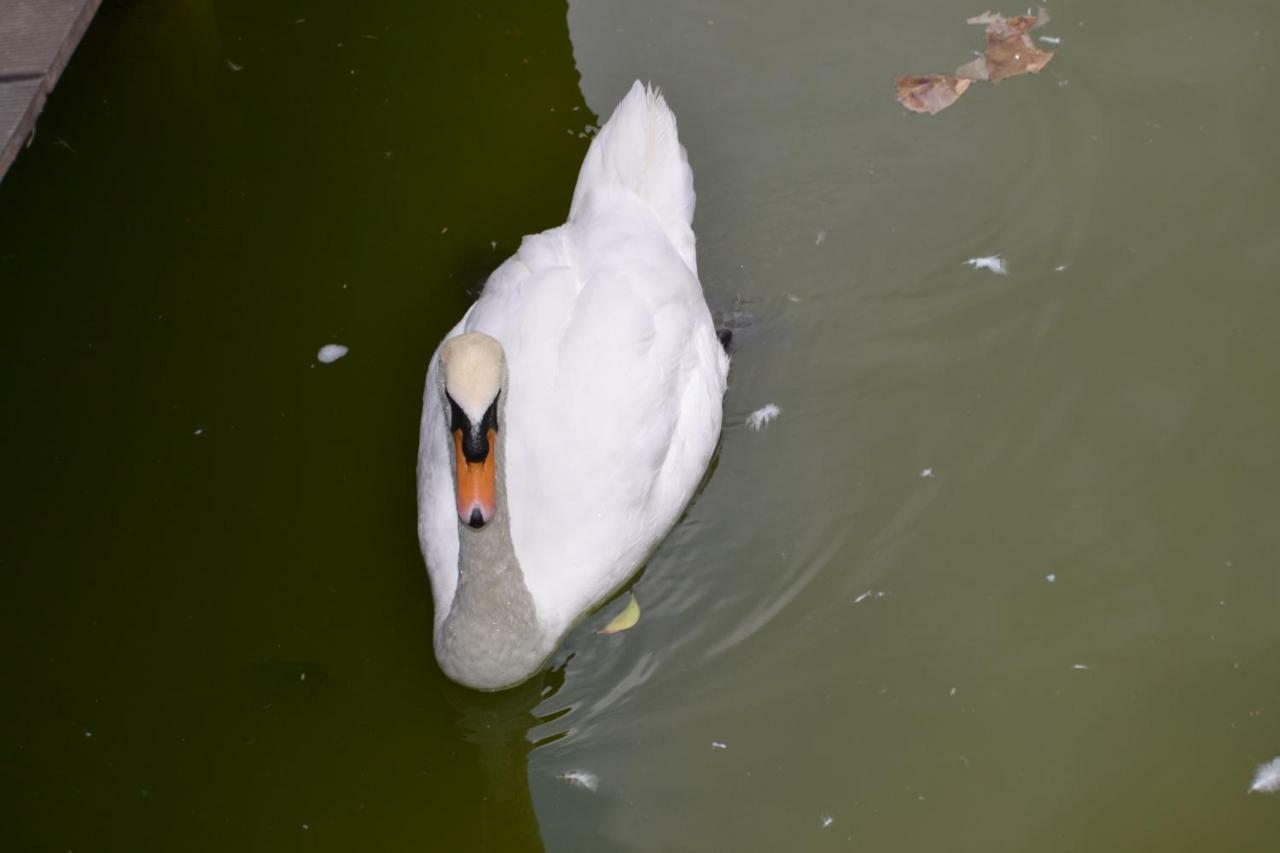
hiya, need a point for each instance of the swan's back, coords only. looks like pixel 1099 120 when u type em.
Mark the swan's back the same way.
pixel 616 375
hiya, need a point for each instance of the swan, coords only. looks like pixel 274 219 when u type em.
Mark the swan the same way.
pixel 571 413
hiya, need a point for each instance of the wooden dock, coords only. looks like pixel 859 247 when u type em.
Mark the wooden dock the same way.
pixel 37 37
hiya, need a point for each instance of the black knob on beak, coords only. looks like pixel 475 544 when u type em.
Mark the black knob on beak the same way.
pixel 477 518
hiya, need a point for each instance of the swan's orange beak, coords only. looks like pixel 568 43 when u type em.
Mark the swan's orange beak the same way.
pixel 477 494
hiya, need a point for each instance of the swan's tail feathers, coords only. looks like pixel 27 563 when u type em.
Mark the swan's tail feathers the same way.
pixel 638 149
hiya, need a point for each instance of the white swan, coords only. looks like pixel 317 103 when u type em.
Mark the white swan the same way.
pixel 569 416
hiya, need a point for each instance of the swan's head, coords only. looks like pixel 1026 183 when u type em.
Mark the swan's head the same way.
pixel 472 368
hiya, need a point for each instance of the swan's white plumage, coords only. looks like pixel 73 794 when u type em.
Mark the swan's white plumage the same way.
pixel 638 150
pixel 616 377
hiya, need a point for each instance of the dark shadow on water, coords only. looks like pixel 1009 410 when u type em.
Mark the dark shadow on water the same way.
pixel 497 725
pixel 216 624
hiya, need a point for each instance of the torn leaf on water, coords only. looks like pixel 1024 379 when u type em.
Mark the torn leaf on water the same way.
pixel 1267 780
pixel 930 93
pixel 974 70
pixel 1009 52
pixel 629 616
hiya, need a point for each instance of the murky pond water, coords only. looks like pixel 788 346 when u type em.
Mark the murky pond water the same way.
pixel 1002 576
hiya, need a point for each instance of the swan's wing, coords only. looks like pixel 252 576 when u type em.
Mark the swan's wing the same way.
pixel 616 378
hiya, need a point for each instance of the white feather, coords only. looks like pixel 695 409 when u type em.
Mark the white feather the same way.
pixel 995 263
pixel 763 416
pixel 582 779
pixel 329 353
pixel 1267 780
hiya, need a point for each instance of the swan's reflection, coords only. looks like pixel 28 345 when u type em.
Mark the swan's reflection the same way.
pixel 498 726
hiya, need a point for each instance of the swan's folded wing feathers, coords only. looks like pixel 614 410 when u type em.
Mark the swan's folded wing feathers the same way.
pixel 615 418
pixel 638 149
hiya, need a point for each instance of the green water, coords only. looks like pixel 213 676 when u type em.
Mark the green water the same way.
pixel 215 623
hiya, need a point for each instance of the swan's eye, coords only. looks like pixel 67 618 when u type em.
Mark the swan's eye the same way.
pixel 474 438
pixel 457 418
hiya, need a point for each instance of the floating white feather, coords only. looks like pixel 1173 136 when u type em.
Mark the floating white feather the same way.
pixel 995 263
pixel 1268 779
pixel 582 778
pixel 763 416
pixel 329 353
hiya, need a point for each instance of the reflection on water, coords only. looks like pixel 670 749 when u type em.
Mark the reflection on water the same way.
pixel 217 623
pixel 497 724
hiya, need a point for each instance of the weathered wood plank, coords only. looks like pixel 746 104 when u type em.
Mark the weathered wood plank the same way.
pixel 37 38
pixel 20 103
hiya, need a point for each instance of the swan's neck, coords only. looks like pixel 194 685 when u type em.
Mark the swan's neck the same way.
pixel 491 638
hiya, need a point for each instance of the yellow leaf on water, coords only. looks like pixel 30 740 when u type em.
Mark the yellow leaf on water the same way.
pixel 629 616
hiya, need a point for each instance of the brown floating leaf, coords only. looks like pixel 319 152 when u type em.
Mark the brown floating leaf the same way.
pixel 997 23
pixel 974 70
pixel 1010 51
pixel 931 93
